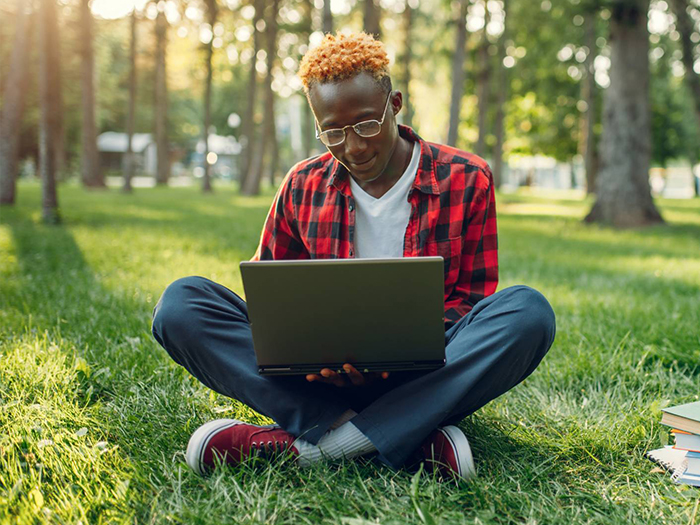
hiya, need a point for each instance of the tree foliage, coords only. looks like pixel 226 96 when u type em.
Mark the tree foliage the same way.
pixel 544 55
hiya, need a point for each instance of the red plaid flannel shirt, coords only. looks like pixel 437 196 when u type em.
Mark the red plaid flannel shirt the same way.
pixel 453 215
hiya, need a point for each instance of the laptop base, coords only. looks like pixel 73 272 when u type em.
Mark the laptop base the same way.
pixel 315 368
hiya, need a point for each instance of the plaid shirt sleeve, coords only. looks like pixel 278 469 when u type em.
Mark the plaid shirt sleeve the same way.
pixel 280 237
pixel 478 272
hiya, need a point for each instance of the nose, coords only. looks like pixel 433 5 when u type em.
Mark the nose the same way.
pixel 354 144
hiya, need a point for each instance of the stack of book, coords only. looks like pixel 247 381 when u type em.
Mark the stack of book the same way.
pixel 682 459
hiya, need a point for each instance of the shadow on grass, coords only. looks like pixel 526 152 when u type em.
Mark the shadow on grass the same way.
pixel 54 291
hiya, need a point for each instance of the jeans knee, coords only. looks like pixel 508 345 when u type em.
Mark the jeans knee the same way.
pixel 536 317
pixel 172 314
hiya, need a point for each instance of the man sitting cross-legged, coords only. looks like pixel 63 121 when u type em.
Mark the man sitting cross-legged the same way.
pixel 379 191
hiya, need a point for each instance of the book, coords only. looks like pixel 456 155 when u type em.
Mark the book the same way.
pixel 676 463
pixel 684 417
pixel 668 457
pixel 686 440
pixel 688 479
pixel 693 459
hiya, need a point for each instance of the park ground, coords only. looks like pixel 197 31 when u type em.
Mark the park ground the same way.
pixel 95 417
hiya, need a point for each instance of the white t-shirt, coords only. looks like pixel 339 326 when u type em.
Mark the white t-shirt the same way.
pixel 380 224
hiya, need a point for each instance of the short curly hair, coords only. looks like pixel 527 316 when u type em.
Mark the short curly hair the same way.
pixel 340 56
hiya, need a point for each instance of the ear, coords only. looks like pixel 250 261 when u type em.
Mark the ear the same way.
pixel 396 101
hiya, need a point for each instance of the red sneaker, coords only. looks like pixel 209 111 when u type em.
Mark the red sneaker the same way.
pixel 447 452
pixel 234 441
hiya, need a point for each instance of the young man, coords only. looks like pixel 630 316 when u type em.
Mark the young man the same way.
pixel 380 191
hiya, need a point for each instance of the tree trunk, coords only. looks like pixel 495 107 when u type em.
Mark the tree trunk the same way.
pixel 482 89
pixel 372 17
pixel 13 106
pixel 499 128
pixel 327 17
pixel 59 141
pixel 589 97
pixel 212 12
pixel 91 173
pixel 458 73
pixel 60 132
pixel 48 77
pixel 274 157
pixel 405 60
pixel 307 118
pixel 248 131
pixel 623 192
pixel 251 184
pixel 161 102
pixel 684 24
pixel 307 128
pixel 129 160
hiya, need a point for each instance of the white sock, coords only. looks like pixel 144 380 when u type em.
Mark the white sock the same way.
pixel 344 418
pixel 344 442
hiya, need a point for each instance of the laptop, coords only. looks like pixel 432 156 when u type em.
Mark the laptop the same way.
pixel 380 315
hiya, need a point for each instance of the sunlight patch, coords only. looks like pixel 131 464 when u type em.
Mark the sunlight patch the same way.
pixel 557 210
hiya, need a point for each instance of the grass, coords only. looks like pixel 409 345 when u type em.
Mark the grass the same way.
pixel 95 417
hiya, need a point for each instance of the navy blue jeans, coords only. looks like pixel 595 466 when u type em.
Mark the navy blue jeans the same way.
pixel 204 327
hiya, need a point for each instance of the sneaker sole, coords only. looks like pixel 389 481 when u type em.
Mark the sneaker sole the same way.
pixel 465 460
pixel 200 439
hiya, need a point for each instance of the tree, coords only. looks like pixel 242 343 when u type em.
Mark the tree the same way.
pixel 404 78
pixel 623 195
pixel 502 79
pixel 327 17
pixel 161 101
pixel 251 184
pixel 305 30
pixel 48 77
pixel 248 131
pixel 545 52
pixel 685 28
pixel 588 89
pixel 458 72
pixel 372 17
pixel 675 130
pixel 91 173
pixel 13 106
pixel 212 13
pixel 684 24
pixel 482 83
pixel 129 167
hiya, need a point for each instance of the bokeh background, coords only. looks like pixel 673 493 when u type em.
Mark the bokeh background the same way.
pixel 180 92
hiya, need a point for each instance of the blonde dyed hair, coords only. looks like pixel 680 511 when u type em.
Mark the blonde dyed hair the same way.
pixel 340 56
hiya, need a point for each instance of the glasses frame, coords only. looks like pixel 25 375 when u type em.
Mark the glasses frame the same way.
pixel 320 134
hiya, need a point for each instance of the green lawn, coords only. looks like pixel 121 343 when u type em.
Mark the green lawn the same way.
pixel 94 416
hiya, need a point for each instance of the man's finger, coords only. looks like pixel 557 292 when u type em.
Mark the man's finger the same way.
pixel 356 378
pixel 332 377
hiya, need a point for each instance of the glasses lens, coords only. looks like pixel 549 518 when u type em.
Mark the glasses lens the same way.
pixel 333 137
pixel 368 128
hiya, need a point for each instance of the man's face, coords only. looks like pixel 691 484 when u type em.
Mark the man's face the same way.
pixel 348 102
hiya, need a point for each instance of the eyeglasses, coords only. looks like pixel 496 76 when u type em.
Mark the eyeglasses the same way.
pixel 366 129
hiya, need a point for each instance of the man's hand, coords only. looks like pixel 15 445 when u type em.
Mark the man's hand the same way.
pixel 351 377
